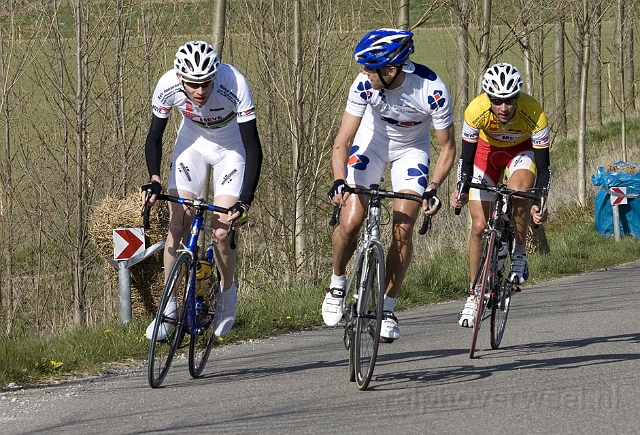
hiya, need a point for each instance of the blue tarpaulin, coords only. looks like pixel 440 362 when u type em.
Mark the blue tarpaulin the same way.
pixel 629 213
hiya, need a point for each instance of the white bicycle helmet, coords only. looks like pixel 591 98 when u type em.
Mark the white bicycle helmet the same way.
pixel 197 62
pixel 502 80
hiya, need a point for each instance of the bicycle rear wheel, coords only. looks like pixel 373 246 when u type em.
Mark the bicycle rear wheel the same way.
pixel 369 320
pixel 499 313
pixel 161 352
pixel 202 341
pixel 485 281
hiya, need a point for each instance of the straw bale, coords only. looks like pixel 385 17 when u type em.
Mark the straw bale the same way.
pixel 147 277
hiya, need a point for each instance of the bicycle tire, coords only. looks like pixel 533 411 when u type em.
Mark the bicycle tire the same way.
pixel 500 313
pixel 484 277
pixel 201 342
pixel 369 319
pixel 161 352
pixel 351 296
pixel 348 342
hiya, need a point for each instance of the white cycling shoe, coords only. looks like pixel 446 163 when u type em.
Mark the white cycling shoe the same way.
pixel 389 330
pixel 332 306
pixel 225 315
pixel 468 313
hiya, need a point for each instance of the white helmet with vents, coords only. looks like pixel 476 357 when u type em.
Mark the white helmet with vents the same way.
pixel 197 62
pixel 502 80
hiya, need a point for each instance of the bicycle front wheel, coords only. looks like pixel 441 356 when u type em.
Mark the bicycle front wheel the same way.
pixel 369 316
pixel 484 280
pixel 203 338
pixel 161 351
pixel 499 313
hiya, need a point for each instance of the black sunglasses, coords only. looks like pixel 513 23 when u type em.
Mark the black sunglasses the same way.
pixel 197 85
pixel 500 102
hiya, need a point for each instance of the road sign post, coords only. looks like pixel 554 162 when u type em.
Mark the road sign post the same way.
pixel 618 197
pixel 129 250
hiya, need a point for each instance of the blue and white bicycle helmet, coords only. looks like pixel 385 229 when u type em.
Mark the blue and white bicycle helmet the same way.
pixel 502 80
pixel 382 47
pixel 197 62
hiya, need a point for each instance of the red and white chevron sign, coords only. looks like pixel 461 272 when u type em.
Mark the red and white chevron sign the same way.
pixel 127 242
pixel 618 195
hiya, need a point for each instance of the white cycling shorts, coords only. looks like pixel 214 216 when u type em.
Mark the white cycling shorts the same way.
pixel 409 168
pixel 189 166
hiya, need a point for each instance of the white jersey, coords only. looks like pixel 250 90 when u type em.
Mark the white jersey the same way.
pixel 401 117
pixel 230 102
pixel 396 129
pixel 208 135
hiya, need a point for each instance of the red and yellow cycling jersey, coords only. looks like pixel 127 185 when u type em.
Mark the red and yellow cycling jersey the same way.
pixel 529 122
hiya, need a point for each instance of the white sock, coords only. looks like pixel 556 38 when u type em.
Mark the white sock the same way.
pixel 338 281
pixel 389 303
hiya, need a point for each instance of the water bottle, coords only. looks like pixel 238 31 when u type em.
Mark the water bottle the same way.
pixel 502 255
pixel 203 273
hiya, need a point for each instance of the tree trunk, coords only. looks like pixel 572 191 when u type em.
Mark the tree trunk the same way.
pixel 485 43
pixel 559 78
pixel 582 130
pixel 596 67
pixel 462 94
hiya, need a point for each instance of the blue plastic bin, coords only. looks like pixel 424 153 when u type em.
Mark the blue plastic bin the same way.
pixel 629 213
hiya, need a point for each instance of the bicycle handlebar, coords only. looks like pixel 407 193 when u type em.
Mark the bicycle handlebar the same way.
pixel 375 191
pixel 503 190
pixel 199 204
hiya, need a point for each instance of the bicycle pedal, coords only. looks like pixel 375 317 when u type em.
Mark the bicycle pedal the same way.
pixel 516 289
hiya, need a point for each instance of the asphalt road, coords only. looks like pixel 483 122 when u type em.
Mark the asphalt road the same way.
pixel 567 364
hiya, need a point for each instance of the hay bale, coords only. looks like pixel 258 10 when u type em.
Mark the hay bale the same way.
pixel 147 277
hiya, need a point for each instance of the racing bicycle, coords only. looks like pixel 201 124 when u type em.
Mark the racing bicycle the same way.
pixel 194 313
pixel 366 286
pixel 491 284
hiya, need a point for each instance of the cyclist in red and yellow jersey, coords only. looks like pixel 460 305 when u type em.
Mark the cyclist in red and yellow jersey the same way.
pixel 504 130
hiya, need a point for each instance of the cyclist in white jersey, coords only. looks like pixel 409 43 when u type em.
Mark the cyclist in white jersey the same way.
pixel 390 109
pixel 219 129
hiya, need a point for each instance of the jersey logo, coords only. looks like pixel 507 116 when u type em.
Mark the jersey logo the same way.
pixel 421 173
pixel 400 123
pixel 184 170
pixel 493 125
pixel 364 90
pixel 436 100
pixel 356 161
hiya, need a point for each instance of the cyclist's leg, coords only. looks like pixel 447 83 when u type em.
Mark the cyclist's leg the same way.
pixel 409 172
pixel 405 213
pixel 365 168
pixel 186 178
pixel 521 171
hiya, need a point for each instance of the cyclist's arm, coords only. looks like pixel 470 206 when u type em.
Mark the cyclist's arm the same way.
pixel 340 153
pixel 153 146
pixel 543 165
pixel 342 145
pixel 543 181
pixel 253 165
pixel 447 143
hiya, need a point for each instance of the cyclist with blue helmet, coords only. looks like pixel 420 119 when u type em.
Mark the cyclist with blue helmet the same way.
pixel 390 109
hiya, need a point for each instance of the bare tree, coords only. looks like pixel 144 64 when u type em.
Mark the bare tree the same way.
pixel 559 78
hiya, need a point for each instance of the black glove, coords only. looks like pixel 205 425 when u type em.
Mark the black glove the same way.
pixel 431 195
pixel 337 189
pixel 154 187
pixel 243 208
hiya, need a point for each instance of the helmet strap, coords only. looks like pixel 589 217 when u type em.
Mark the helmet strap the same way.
pixel 385 84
